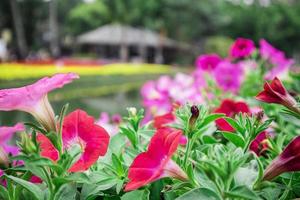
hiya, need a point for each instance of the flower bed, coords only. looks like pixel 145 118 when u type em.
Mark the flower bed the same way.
pixel 202 136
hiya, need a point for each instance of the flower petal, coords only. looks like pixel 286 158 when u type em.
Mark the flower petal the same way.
pixel 149 166
pixel 47 148
pixel 81 129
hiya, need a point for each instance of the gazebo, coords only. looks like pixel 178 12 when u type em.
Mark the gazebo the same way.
pixel 125 38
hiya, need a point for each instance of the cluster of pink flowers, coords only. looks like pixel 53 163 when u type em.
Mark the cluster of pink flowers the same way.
pixel 111 124
pixel 227 73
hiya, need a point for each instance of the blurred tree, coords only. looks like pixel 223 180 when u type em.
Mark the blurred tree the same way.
pixel 84 17
pixel 192 21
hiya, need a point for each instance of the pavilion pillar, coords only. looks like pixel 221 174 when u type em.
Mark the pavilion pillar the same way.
pixel 123 52
pixel 158 58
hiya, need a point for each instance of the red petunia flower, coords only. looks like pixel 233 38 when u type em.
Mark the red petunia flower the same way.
pixel 276 93
pixel 79 129
pixel 156 162
pixel 162 121
pixel 287 161
pixel 230 108
pixel 259 145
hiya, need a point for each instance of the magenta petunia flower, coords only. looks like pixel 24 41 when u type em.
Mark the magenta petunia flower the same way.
pixel 33 98
pixel 6 132
pixel 156 162
pixel 208 62
pixel 79 129
pixel 242 48
pixel 287 161
pixel 277 58
pixel 228 76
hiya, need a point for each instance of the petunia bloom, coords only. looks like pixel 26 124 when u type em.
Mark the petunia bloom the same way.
pixel 156 162
pixel 208 62
pixel 287 161
pixel 280 64
pixel 33 98
pixel 242 48
pixel 111 124
pixel 79 129
pixel 260 144
pixel 6 133
pixel 230 108
pixel 229 76
pixel 162 121
pixel 276 93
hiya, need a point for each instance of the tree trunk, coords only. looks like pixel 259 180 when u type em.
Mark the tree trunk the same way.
pixel 54 38
pixel 18 24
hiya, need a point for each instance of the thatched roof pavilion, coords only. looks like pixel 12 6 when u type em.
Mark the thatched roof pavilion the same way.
pixel 125 36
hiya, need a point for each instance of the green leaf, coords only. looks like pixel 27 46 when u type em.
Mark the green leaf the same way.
pixel 67 191
pixel 242 192
pixel 34 189
pixel 117 164
pixel 210 118
pixel 136 195
pixel 117 143
pixel 89 191
pixel 200 193
pixel 235 125
pixel 130 134
pixel 260 170
pixel 3 193
pixel 75 177
pixel 234 138
pixel 206 139
pixel 35 127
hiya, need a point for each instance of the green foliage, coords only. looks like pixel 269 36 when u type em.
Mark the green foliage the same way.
pixel 87 17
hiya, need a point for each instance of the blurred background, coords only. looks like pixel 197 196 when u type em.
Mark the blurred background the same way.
pixel 117 45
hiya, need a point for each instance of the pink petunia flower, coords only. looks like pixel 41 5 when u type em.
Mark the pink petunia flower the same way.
pixel 110 124
pixel 79 129
pixel 277 58
pixel 242 48
pixel 33 98
pixel 229 76
pixel 208 62
pixel 156 162
pixel 6 134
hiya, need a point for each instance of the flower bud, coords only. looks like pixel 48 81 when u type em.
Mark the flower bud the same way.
pixel 3 158
pixel 27 145
pixel 194 117
pixel 132 111
pixel 260 116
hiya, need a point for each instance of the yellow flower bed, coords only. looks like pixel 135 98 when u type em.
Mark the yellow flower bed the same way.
pixel 10 71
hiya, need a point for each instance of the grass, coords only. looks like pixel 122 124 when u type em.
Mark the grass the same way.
pixel 9 71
